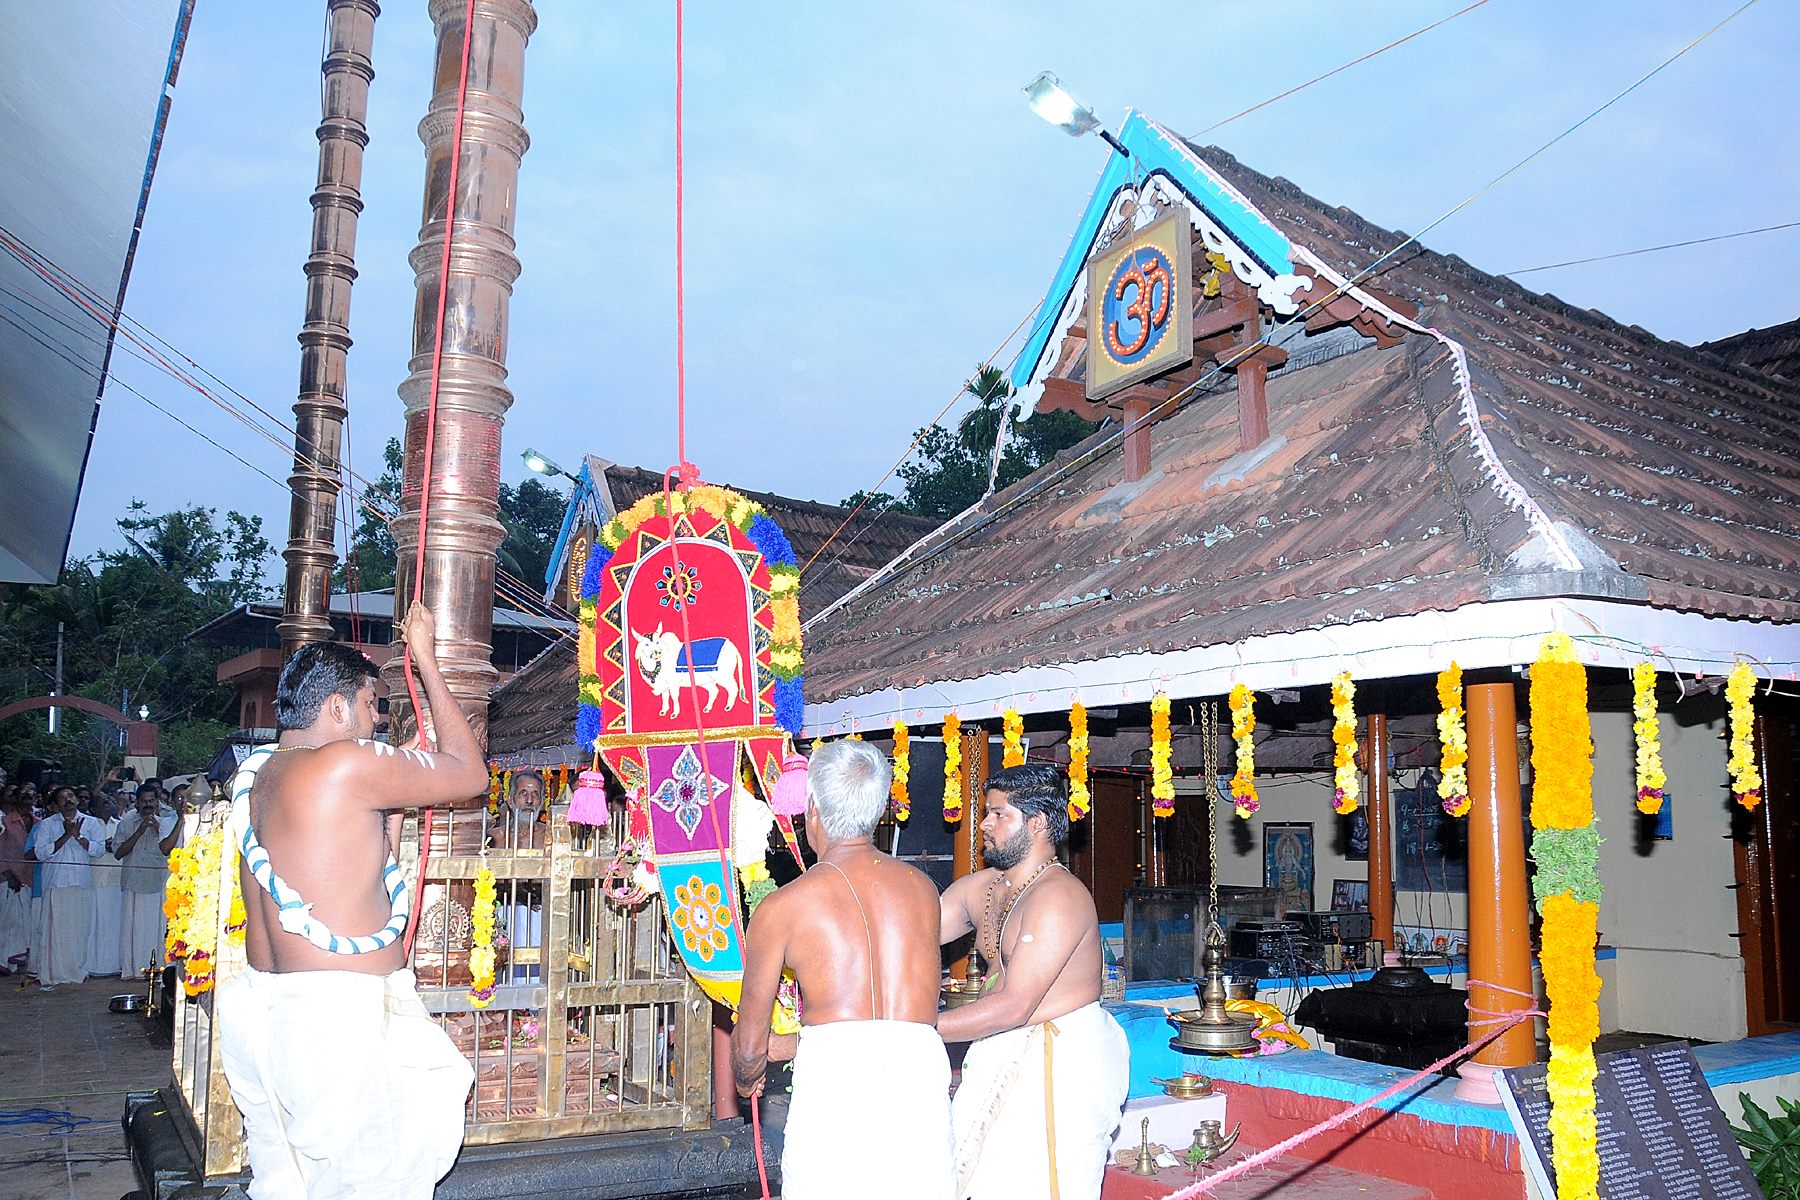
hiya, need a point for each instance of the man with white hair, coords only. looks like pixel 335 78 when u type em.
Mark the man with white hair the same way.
pixel 859 933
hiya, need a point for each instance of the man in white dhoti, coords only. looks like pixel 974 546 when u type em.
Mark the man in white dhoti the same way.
pixel 870 1113
pixel 141 847
pixel 347 1086
pixel 1044 1081
pixel 103 933
pixel 65 844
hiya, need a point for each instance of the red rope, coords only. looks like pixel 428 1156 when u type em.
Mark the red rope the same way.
pixel 437 364
pixel 689 476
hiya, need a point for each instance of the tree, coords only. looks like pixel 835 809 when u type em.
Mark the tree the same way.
pixel 370 565
pixel 533 516
pixel 949 472
pixel 126 617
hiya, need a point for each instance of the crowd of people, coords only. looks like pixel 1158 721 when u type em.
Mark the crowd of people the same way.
pixel 82 875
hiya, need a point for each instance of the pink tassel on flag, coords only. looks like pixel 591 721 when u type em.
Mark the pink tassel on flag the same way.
pixel 788 797
pixel 587 804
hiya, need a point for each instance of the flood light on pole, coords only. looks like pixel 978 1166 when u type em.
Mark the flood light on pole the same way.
pixel 1053 102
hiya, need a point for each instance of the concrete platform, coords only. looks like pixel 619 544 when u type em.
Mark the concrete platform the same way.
pixel 1287 1177
pixel 67 1065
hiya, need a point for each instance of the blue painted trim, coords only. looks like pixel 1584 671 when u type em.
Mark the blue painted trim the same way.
pixel 1156 151
pixel 584 488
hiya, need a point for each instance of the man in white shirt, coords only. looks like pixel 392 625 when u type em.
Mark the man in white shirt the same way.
pixel 103 934
pixel 65 842
pixel 141 845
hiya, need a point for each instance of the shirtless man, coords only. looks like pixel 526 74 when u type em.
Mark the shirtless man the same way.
pixel 870 1114
pixel 1035 928
pixel 347 1086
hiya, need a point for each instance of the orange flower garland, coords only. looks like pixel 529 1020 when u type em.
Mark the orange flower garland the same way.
pixel 1243 734
pixel 1343 745
pixel 953 781
pixel 1079 797
pixel 1566 848
pixel 1012 749
pixel 902 769
pixel 1162 775
pixel 1746 779
pixel 1453 743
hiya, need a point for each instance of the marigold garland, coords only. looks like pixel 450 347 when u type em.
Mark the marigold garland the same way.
pixel 1162 775
pixel 178 898
pixel 1080 799
pixel 493 804
pixel 1746 779
pixel 1453 743
pixel 1012 748
pixel 953 780
pixel 902 770
pixel 1650 777
pixel 1343 744
pixel 1243 734
pixel 1566 847
pixel 481 943
pixel 194 931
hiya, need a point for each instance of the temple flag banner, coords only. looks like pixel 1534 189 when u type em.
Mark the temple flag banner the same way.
pixel 1140 316
pixel 690 666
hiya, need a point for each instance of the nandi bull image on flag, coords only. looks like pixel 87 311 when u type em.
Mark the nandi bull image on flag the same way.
pixel 690 669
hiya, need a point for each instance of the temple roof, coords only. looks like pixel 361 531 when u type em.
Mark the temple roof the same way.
pixel 1773 351
pixel 1570 457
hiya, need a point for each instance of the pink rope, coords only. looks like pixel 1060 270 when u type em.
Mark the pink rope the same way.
pixel 1506 1021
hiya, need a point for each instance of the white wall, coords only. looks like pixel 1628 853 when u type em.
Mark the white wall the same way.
pixel 1669 912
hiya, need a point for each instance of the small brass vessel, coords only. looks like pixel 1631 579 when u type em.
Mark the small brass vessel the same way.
pixel 958 992
pixel 1210 1143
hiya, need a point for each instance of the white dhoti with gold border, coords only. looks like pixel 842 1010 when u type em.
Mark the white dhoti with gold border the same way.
pixel 1036 1110
pixel 346 1084
pixel 870 1116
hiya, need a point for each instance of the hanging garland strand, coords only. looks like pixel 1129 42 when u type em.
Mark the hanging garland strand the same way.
pixel 1343 744
pixel 1162 774
pixel 1651 781
pixel 1079 797
pixel 1012 748
pixel 902 803
pixel 1453 743
pixel 1566 848
pixel 1746 779
pixel 481 949
pixel 953 784
pixel 1243 734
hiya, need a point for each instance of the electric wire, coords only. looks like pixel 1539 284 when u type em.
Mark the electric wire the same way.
pixel 1240 354
pixel 1721 237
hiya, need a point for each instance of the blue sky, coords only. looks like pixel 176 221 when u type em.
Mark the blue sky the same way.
pixel 872 208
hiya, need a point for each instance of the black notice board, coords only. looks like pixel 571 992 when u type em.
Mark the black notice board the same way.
pixel 1661 1133
pixel 1431 847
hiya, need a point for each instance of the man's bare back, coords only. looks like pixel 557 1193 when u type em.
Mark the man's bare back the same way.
pixel 818 923
pixel 326 808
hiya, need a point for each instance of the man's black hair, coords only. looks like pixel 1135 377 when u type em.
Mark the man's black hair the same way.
pixel 1035 788
pixel 317 672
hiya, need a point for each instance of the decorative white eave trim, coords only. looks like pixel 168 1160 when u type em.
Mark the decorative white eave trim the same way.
pixel 1488 634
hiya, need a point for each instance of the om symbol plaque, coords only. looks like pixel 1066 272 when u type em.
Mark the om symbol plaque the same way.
pixel 1140 308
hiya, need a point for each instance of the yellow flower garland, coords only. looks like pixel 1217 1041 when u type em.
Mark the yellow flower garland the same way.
pixel 1012 749
pixel 1566 848
pixel 1650 777
pixel 200 931
pixel 953 782
pixel 1162 775
pixel 178 898
pixel 1079 797
pixel 1746 779
pixel 481 946
pixel 1453 743
pixel 1243 733
pixel 1343 744
pixel 902 769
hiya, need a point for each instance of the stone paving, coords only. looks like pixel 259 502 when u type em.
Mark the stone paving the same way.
pixel 66 1063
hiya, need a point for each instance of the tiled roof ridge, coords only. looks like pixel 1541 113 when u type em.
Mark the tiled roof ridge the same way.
pixel 1785 393
pixel 769 499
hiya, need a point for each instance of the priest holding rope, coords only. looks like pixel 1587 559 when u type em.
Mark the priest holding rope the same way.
pixel 347 1086
pixel 1044 1081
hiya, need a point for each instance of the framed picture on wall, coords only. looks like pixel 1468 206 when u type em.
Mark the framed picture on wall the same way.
pixel 1349 895
pixel 1288 863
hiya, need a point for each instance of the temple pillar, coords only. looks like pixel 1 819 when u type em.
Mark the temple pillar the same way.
pixel 1380 814
pixel 1499 902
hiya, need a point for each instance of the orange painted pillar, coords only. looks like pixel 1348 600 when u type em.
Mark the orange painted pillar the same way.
pixel 1381 857
pixel 1499 912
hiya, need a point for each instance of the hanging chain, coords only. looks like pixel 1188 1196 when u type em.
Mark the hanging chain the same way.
pixel 1209 760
